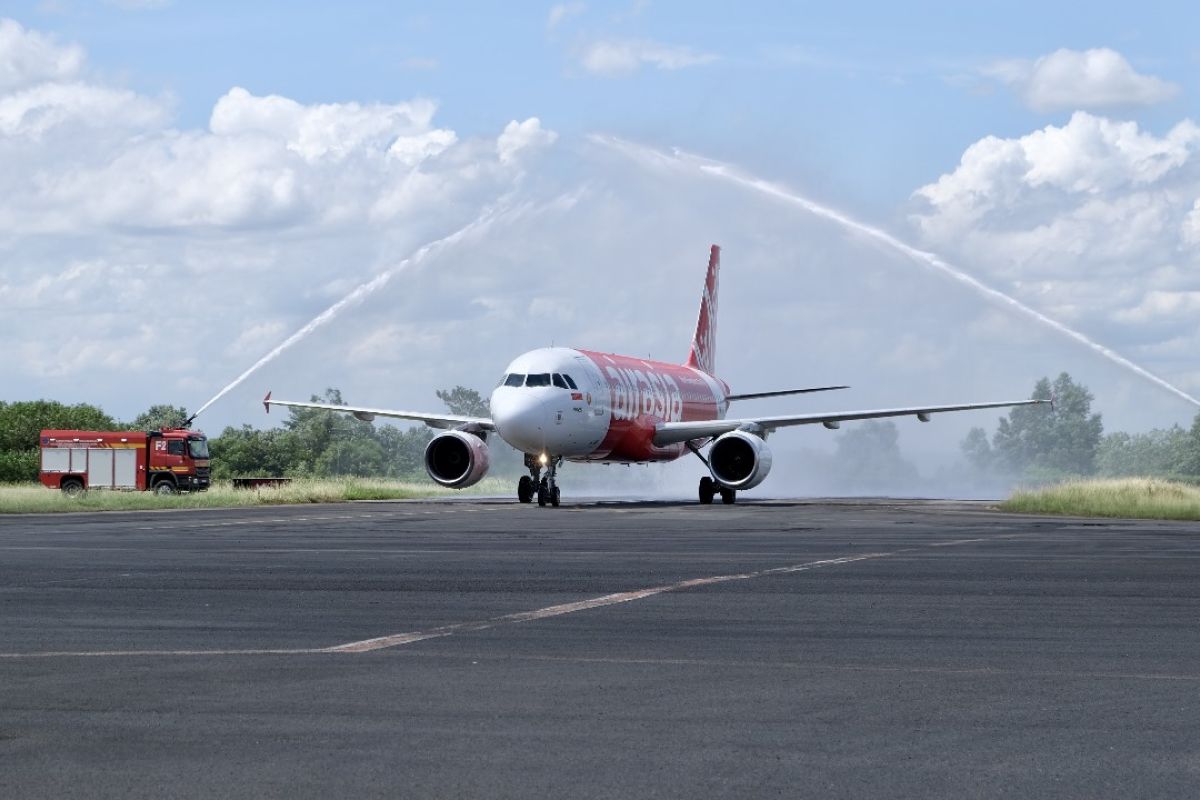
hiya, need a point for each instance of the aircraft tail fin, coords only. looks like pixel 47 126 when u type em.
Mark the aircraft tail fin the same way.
pixel 703 355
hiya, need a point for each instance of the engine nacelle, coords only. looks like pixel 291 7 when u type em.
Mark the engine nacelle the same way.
pixel 456 459
pixel 739 460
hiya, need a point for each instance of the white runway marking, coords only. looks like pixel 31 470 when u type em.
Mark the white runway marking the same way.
pixel 410 637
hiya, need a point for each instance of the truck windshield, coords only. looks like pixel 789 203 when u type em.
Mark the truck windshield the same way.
pixel 198 448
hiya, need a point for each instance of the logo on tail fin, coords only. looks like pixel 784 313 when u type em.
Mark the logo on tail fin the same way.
pixel 704 343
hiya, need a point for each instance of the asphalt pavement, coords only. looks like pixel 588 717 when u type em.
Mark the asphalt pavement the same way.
pixel 486 649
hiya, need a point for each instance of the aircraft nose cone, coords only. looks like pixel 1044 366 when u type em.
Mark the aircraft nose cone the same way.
pixel 520 419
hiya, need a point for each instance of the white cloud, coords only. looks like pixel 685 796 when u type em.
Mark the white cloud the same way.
pixel 1003 181
pixel 561 12
pixel 122 227
pixel 618 57
pixel 28 57
pixel 1191 225
pixel 519 136
pixel 1094 221
pixel 1088 79
pixel 33 111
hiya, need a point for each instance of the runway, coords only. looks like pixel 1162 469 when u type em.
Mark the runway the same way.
pixel 486 649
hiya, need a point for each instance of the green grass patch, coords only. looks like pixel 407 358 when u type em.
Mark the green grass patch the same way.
pixel 33 498
pixel 1131 498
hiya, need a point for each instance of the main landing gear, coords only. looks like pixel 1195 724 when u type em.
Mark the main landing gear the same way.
pixel 536 485
pixel 710 489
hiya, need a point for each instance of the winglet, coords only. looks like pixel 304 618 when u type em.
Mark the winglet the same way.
pixel 267 402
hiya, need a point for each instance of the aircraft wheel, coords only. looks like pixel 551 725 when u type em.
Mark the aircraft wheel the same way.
pixel 543 494
pixel 728 496
pixel 554 497
pixel 708 490
pixel 525 489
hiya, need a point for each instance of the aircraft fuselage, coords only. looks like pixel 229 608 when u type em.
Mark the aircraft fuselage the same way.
pixel 589 406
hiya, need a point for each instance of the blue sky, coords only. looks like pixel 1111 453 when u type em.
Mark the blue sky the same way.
pixel 860 103
pixel 267 158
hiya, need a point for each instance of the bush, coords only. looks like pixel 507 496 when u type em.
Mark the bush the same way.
pixel 18 466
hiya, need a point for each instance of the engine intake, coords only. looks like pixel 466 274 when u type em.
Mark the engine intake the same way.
pixel 456 459
pixel 739 460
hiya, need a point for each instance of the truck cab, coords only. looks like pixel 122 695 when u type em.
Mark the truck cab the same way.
pixel 178 459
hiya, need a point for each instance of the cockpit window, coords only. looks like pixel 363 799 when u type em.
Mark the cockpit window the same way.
pixel 540 379
pixel 570 382
pixel 558 381
pixel 514 379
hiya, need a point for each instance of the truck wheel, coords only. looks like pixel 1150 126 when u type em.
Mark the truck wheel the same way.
pixel 72 487
pixel 165 488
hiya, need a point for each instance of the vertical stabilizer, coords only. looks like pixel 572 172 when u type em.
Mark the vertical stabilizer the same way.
pixel 704 343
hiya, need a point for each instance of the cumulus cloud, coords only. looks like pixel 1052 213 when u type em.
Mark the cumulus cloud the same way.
pixel 36 110
pixel 333 131
pixel 1095 221
pixel 619 57
pixel 1087 79
pixel 518 136
pixel 28 57
pixel 116 225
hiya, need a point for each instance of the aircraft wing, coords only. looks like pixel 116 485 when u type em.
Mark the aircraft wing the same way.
pixel 675 432
pixel 368 414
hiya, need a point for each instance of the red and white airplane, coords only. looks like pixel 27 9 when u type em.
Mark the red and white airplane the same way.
pixel 558 403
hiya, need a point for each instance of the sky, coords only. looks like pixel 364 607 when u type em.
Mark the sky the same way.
pixel 184 185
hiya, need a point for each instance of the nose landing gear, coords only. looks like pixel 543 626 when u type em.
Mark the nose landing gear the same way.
pixel 534 484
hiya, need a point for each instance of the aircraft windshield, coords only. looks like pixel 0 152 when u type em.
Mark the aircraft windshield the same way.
pixel 540 379
pixel 570 382
pixel 559 382
pixel 514 380
pixel 198 448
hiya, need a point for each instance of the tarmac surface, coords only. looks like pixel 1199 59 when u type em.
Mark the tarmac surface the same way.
pixel 468 649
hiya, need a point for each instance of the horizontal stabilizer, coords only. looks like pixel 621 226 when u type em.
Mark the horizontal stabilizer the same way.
pixel 757 395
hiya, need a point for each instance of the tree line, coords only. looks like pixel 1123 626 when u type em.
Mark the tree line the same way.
pixel 1031 444
pixel 311 443
pixel 1037 445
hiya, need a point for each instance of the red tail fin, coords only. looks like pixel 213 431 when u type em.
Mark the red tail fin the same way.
pixel 704 343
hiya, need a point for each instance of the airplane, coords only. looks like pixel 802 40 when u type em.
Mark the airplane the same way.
pixel 557 404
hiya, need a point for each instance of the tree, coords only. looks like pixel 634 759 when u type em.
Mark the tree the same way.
pixel 1061 440
pixel 246 452
pixel 403 451
pixel 978 451
pixel 21 422
pixel 868 455
pixel 1160 452
pixel 159 416
pixel 464 401
pixel 1189 460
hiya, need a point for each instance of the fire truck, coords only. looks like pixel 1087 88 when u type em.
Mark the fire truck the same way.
pixel 165 461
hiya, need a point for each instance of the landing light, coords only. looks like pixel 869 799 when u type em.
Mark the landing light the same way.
pixel 543 459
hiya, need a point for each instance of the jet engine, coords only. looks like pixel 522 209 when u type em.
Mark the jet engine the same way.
pixel 739 460
pixel 456 459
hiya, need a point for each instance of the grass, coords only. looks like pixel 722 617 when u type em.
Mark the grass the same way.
pixel 1131 498
pixel 33 498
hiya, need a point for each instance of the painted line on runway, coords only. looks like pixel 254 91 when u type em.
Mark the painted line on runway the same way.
pixel 411 637
pixel 381 642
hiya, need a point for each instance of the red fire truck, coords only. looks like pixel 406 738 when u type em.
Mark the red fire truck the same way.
pixel 165 461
